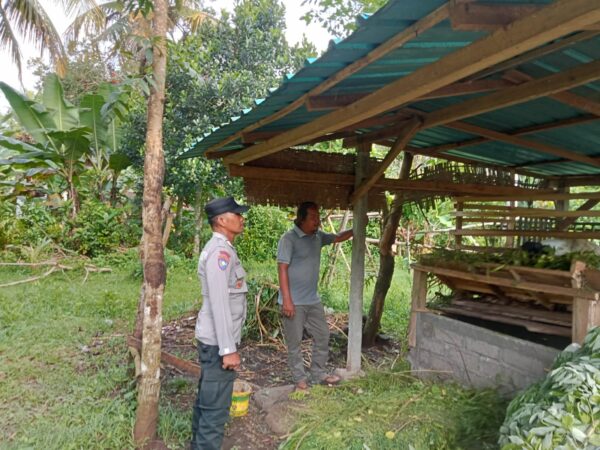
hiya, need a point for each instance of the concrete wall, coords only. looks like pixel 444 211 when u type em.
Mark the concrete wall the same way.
pixel 475 356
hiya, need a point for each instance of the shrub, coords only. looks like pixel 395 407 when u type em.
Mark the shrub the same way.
pixel 100 228
pixel 264 226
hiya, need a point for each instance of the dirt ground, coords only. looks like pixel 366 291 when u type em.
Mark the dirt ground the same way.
pixel 263 365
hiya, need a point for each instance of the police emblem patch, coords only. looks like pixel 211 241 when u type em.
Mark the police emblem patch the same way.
pixel 223 260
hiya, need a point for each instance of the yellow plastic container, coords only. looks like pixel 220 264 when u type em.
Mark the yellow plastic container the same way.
pixel 240 399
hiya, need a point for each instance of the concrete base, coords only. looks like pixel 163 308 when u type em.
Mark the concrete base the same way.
pixel 476 357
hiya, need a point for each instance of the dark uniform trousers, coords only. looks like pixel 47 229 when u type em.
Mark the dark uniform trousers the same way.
pixel 211 409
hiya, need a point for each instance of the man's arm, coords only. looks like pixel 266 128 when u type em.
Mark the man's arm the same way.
pixel 343 236
pixel 284 284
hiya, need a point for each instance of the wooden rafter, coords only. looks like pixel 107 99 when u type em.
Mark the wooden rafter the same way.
pixel 515 140
pixel 476 16
pixel 568 98
pixel 537 53
pixel 404 137
pixel 583 211
pixel 552 22
pixel 521 93
pixel 325 102
pixel 255 136
pixel 532 196
pixel 394 42
pixel 433 150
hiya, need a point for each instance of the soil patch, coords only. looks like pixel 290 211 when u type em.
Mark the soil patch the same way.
pixel 264 364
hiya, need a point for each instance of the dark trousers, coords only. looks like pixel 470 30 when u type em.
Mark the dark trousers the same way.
pixel 211 409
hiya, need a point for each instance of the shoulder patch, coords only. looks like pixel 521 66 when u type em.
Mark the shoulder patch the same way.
pixel 223 260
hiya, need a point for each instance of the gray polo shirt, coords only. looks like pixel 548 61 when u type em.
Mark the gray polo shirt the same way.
pixel 303 254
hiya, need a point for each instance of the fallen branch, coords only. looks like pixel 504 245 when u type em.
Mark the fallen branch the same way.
pixel 28 280
pixel 182 364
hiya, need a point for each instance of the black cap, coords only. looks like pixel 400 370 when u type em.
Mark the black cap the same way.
pixel 223 205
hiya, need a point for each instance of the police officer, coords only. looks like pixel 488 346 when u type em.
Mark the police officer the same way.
pixel 219 323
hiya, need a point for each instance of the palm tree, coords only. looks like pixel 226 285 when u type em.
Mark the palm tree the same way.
pixel 127 28
pixel 27 18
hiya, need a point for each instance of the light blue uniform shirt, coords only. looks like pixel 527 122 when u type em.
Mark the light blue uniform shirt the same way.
pixel 224 289
pixel 303 254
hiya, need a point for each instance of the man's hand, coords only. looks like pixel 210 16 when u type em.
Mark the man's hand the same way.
pixel 288 309
pixel 232 361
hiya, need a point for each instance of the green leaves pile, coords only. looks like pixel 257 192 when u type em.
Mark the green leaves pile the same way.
pixel 462 260
pixel 562 411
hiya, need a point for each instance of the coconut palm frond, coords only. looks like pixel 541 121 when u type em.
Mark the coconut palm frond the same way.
pixel 9 41
pixel 194 18
pixel 92 20
pixel 31 20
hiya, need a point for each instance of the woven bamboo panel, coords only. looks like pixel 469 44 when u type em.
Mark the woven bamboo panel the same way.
pixel 284 193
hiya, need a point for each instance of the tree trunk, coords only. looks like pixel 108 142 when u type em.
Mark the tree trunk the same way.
pixel 146 421
pixel 386 260
pixel 178 215
pixel 198 221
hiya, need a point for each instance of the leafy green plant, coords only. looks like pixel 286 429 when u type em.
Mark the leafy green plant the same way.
pixel 100 228
pixel 264 226
pixel 563 410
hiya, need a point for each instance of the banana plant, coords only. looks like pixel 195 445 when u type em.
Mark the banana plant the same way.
pixel 67 140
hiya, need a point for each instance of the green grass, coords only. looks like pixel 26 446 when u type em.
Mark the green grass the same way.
pixel 66 380
pixel 65 376
pixel 392 410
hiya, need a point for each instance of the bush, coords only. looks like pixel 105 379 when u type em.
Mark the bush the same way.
pixel 100 228
pixel 264 226
pixel 35 224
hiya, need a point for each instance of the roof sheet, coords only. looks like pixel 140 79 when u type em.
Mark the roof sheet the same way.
pixel 425 49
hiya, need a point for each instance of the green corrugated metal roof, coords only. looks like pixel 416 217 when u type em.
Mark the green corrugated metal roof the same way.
pixel 425 49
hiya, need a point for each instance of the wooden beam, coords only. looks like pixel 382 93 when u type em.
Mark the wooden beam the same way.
pixel 383 184
pixel 418 151
pixel 475 16
pixel 498 281
pixel 522 93
pixel 415 30
pixel 404 137
pixel 518 132
pixel 548 49
pixel 586 314
pixel 528 212
pixel 532 197
pixel 377 135
pixel 514 140
pixel 568 98
pixel 583 210
pixel 527 233
pixel 334 101
pixel 553 21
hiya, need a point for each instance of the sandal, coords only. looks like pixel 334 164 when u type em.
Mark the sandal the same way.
pixel 331 380
pixel 301 386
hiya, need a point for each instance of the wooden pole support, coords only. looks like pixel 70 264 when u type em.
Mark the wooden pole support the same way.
pixel 418 303
pixel 586 313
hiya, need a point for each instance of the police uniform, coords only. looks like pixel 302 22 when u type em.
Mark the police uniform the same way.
pixel 218 330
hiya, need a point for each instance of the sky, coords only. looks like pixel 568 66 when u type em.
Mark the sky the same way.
pixel 296 27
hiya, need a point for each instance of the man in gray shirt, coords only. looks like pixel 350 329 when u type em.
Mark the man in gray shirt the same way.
pixel 219 323
pixel 298 263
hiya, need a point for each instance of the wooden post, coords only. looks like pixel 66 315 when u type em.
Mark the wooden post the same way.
pixel 357 276
pixel 586 313
pixel 418 303
pixel 459 224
